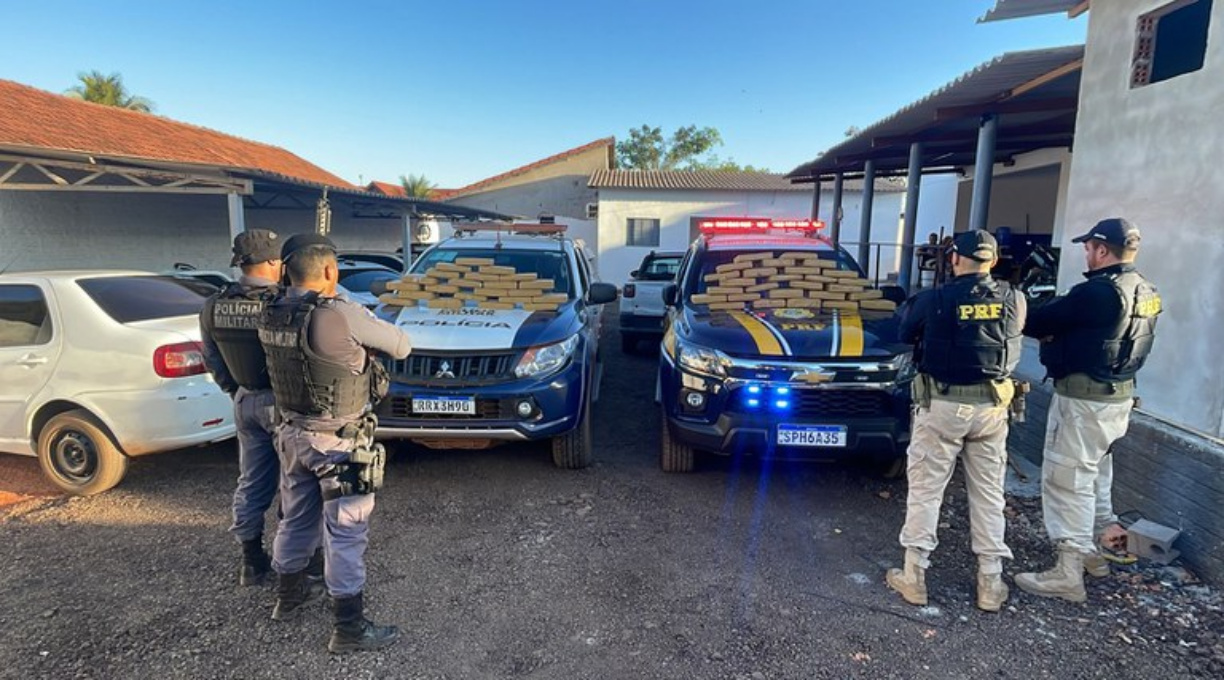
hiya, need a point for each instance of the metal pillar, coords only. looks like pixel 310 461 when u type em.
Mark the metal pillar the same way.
pixel 864 249
pixel 913 179
pixel 983 171
pixel 816 200
pixel 838 185
pixel 237 217
pixel 409 235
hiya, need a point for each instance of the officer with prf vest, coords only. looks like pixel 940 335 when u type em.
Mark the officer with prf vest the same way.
pixel 967 338
pixel 1093 342
pixel 234 356
pixel 326 379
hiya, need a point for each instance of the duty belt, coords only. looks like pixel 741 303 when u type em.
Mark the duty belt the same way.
pixel 998 392
pixel 1082 386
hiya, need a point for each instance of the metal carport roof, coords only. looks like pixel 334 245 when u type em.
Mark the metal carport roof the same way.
pixel 1034 93
pixel 1015 9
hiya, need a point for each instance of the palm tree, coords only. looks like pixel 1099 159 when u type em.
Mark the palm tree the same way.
pixel 108 90
pixel 417 186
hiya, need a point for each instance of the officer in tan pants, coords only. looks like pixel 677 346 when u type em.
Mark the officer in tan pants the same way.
pixel 967 343
pixel 1094 340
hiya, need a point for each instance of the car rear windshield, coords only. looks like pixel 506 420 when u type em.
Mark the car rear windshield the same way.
pixel 713 258
pixel 659 268
pixel 140 298
pixel 546 264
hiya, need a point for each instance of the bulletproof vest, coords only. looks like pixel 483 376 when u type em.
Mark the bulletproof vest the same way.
pixel 1112 353
pixel 230 318
pixel 303 381
pixel 973 334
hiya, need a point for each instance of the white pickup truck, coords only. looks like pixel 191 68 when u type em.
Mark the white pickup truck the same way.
pixel 641 305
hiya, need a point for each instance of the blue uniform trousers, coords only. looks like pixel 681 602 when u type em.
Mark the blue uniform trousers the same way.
pixel 341 524
pixel 258 464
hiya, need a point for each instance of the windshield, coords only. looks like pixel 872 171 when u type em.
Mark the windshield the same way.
pixel 713 259
pixel 127 299
pixel 660 268
pixel 545 264
pixel 360 281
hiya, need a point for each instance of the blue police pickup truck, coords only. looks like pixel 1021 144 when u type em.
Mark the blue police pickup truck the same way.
pixel 777 346
pixel 483 373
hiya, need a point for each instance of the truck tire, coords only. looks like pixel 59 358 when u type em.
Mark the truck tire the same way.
pixel 895 468
pixel 675 456
pixel 78 456
pixel 572 450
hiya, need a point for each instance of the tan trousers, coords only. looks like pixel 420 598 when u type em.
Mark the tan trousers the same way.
pixel 978 434
pixel 1076 475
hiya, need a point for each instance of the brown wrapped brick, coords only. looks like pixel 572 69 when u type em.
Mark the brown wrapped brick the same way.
pixel 761 288
pixel 491 304
pixel 840 274
pixel 448 267
pixel 558 298
pixel 738 283
pixel 878 305
pixel 480 276
pixel 839 288
pixel 744 297
pixel 769 304
pixel 807 285
pixel 873 294
pixel 445 275
pixel 468 283
pixel 844 305
pixel 804 271
pixel 498 271
pixel 700 299
pixel 826 295
pixel 724 290
pixel 774 262
pixel 524 277
pixel 820 279
pixel 516 299
pixel 501 285
pixel 441 289
pixel 760 272
pixel 726 306
pixel 857 283
pixel 799 255
pixel 785 293
pixel 416 295
pixel 444 303
pixel 736 266
pixel 389 299
pixel 752 257
pixel 474 261
pixel 403 285
pixel 537 284
pixel 803 303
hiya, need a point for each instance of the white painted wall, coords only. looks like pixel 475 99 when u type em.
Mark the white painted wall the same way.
pixel 1152 155
pixel 60 230
pixel 1031 192
pixel 673 208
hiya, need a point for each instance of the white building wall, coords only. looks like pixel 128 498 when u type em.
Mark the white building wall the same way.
pixel 1152 155
pixel 1029 193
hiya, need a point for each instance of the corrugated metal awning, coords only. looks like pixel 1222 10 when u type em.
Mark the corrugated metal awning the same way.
pixel 1015 9
pixel 1034 93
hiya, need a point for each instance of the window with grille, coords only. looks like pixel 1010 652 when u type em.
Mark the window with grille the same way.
pixel 1170 41
pixel 642 232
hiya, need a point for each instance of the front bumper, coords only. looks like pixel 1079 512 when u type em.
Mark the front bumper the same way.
pixel 556 400
pixel 876 418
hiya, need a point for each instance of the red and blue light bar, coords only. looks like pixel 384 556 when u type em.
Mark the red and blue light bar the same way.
pixel 748 225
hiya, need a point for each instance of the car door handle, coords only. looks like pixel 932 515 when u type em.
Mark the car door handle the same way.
pixel 30 361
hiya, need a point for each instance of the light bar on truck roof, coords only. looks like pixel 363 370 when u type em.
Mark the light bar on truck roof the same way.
pixel 516 228
pixel 751 225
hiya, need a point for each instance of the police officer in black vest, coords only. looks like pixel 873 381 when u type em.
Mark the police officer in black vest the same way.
pixel 1094 340
pixel 234 356
pixel 967 338
pixel 321 361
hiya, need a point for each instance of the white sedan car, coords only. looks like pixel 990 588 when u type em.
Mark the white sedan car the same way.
pixel 100 366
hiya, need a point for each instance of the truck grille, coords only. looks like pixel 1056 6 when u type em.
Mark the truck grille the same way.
pixel 836 404
pixel 400 408
pixel 422 368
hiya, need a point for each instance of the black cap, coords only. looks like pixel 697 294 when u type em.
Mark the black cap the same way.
pixel 255 246
pixel 1114 231
pixel 976 245
pixel 301 241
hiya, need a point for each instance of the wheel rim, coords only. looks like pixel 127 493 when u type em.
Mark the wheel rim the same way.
pixel 74 456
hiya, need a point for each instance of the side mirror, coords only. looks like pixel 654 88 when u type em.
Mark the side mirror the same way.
pixel 669 294
pixel 634 274
pixel 378 288
pixel 894 293
pixel 601 293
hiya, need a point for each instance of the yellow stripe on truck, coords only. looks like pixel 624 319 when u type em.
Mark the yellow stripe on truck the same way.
pixel 766 343
pixel 851 335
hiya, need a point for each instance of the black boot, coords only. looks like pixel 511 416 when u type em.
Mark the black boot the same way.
pixel 353 632
pixel 314 570
pixel 255 563
pixel 292 592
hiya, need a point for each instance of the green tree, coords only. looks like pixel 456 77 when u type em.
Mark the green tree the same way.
pixel 648 149
pixel 107 90
pixel 729 165
pixel 417 186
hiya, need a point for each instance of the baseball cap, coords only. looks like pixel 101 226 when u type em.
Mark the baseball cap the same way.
pixel 1114 231
pixel 976 245
pixel 255 246
pixel 302 241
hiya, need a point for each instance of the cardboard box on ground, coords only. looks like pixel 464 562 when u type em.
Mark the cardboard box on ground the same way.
pixel 477 281
pixel 770 281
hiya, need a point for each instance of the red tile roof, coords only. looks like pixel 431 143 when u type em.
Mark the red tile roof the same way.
pixel 609 142
pixel 33 118
pixel 387 188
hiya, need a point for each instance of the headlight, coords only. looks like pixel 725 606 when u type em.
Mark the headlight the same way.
pixel 702 360
pixel 906 368
pixel 540 361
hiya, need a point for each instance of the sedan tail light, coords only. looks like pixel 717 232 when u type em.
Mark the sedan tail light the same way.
pixel 629 290
pixel 179 360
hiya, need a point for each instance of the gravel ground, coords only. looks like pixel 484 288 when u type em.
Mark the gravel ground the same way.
pixel 496 565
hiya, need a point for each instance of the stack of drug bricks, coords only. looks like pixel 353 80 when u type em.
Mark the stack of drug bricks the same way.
pixel 474 282
pixel 800 279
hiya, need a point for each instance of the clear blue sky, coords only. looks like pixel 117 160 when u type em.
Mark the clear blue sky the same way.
pixel 463 89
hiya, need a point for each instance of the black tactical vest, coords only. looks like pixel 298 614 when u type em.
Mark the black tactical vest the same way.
pixel 1112 353
pixel 230 318
pixel 973 333
pixel 303 381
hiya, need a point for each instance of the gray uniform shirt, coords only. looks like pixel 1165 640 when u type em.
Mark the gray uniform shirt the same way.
pixel 344 332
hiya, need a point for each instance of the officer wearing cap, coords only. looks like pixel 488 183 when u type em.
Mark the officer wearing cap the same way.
pixel 967 338
pixel 1093 342
pixel 326 381
pixel 234 356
